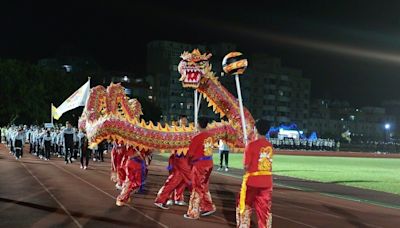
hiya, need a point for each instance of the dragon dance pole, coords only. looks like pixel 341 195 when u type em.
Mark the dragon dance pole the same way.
pixel 195 108
pixel 239 92
pixel 198 104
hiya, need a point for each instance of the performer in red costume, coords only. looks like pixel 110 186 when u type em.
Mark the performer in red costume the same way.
pixel 200 155
pixel 176 183
pixel 177 196
pixel 135 169
pixel 179 178
pixel 256 187
pixel 118 158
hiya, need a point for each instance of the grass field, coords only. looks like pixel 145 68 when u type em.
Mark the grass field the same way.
pixel 381 174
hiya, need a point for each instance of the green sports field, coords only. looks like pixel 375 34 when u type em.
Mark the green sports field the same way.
pixel 381 174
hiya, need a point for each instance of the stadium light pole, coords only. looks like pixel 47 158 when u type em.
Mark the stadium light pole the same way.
pixel 387 129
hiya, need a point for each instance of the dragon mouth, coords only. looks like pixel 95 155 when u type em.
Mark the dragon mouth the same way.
pixel 191 77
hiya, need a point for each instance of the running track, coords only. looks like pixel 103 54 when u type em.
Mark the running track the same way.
pixel 37 193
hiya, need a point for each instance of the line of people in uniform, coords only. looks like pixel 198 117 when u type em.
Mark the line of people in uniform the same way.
pixel 64 142
pixel 305 144
pixel 15 138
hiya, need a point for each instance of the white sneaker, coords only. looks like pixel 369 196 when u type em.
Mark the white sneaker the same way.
pixel 73 159
pixel 170 203
pixel 117 186
pixel 206 213
pixel 85 167
pixel 226 169
pixel 94 159
pixel 180 203
pixel 81 166
pixel 162 206
pixel 186 216
pixel 219 169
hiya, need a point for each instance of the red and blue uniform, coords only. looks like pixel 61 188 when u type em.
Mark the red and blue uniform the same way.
pixel 179 177
pixel 118 154
pixel 200 156
pixel 134 165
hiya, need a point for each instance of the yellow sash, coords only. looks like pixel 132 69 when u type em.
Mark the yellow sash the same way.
pixel 243 190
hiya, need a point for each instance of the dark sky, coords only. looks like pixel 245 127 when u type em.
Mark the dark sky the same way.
pixel 349 49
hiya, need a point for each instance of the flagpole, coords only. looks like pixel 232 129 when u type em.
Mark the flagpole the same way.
pixel 51 112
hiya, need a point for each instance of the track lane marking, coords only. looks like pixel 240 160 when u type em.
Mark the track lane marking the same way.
pixel 273 214
pixel 52 196
pixel 109 195
pixel 215 216
pixel 299 189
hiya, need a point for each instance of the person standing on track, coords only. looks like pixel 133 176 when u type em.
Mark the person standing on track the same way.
pixel 46 145
pixel 101 147
pixel 68 135
pixel 257 184
pixel 83 149
pixel 19 141
pixel 223 149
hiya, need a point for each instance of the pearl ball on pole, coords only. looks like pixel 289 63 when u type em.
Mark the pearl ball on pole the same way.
pixel 235 64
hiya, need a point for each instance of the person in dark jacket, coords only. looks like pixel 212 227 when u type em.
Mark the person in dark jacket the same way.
pixel 84 149
pixel 68 136
pixel 47 144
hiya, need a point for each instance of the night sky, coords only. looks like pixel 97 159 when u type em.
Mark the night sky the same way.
pixel 349 49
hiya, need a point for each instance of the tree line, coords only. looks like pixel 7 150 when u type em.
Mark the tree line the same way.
pixel 27 90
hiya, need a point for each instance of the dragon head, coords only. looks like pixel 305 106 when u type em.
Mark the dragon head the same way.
pixel 193 67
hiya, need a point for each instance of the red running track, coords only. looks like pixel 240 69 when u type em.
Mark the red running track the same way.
pixel 37 193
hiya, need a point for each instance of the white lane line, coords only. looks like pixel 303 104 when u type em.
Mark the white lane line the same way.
pixel 215 216
pixel 52 196
pixel 111 196
pixel 291 220
pixel 326 213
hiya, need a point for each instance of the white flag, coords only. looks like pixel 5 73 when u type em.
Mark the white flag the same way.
pixel 77 99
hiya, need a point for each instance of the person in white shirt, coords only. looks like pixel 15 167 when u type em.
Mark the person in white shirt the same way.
pixel 223 149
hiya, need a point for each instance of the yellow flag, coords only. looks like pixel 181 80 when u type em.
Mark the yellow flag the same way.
pixel 54 113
